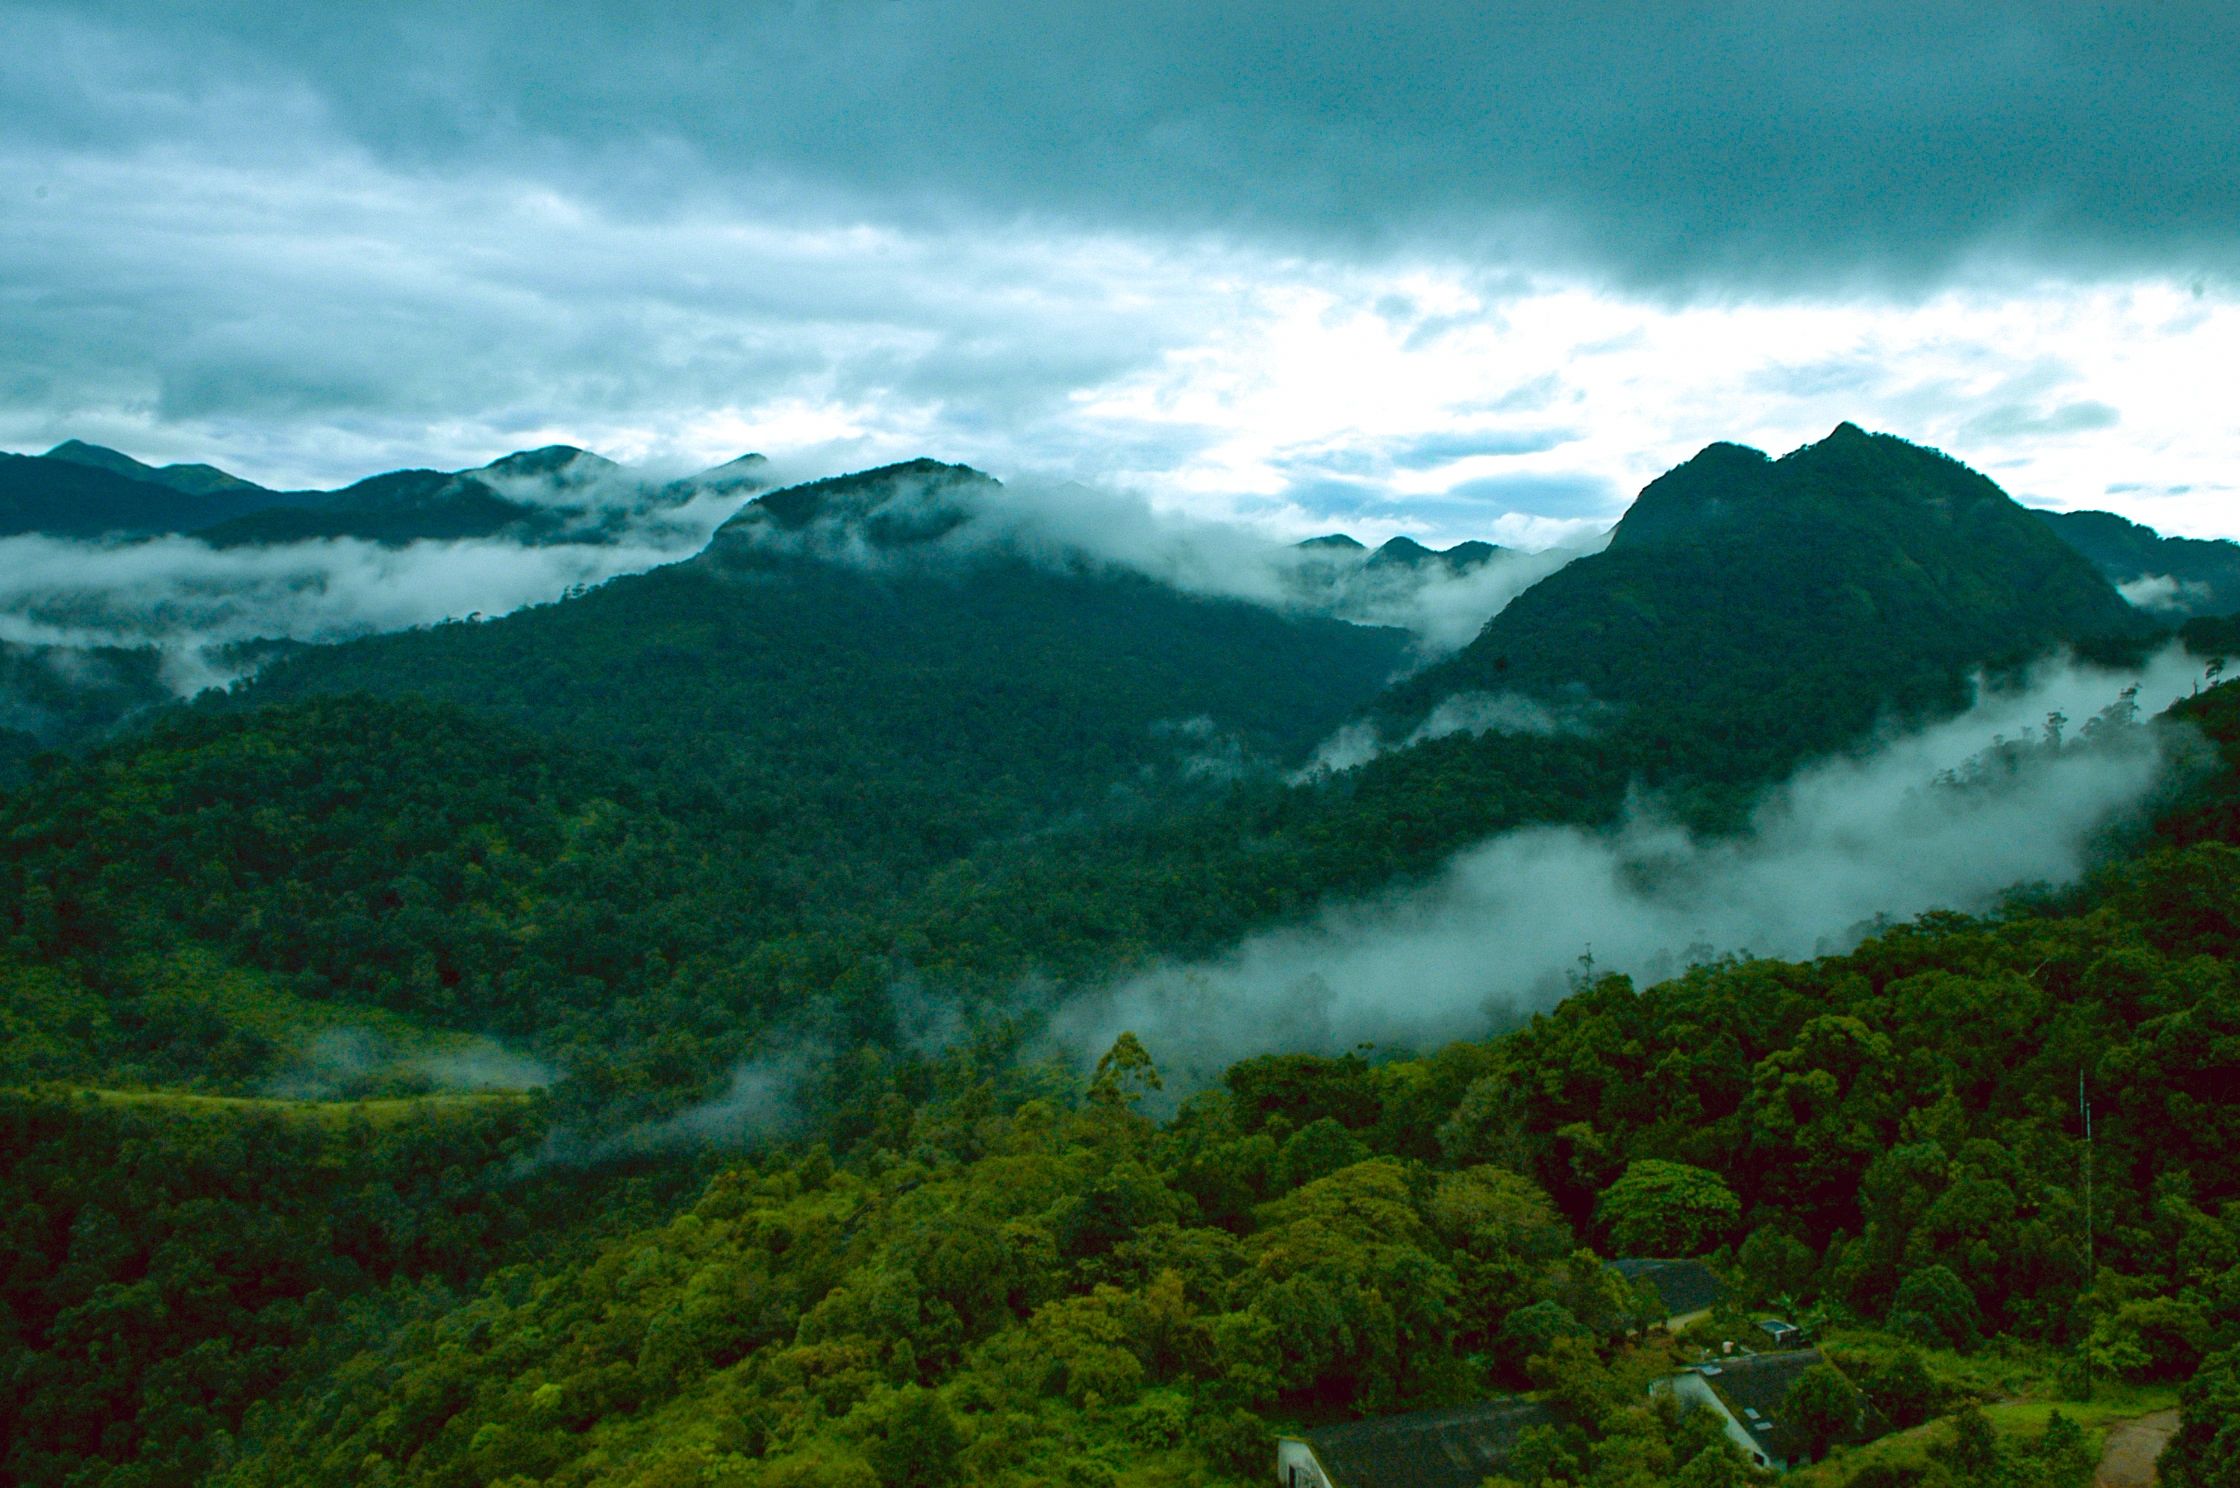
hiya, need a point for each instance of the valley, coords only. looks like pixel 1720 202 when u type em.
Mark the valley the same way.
pixel 909 992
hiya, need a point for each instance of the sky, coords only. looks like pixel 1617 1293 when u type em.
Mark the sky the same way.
pixel 1457 270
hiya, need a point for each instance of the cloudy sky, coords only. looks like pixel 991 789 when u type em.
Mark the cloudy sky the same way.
pixel 1466 269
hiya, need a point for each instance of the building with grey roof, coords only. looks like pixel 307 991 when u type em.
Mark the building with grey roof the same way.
pixel 1750 1392
pixel 1459 1447
pixel 1683 1288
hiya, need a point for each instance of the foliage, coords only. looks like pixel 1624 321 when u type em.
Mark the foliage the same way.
pixel 1753 612
pixel 767 805
pixel 2206 1450
pixel 1823 1406
pixel 164 1271
pixel 1660 1208
pixel 1935 1308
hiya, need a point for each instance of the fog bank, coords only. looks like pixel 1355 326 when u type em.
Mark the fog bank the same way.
pixel 188 600
pixel 1067 526
pixel 1939 819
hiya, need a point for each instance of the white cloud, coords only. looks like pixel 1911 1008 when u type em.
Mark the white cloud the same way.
pixel 1501 928
pixel 308 317
pixel 2162 593
pixel 187 599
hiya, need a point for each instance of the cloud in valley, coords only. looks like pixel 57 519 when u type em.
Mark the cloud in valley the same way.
pixel 1066 524
pixel 1498 931
pixel 1359 742
pixel 189 600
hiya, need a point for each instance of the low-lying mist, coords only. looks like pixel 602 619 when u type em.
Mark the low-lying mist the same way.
pixel 189 600
pixel 1942 818
pixel 1067 526
pixel 338 1062
pixel 1358 742
pixel 195 605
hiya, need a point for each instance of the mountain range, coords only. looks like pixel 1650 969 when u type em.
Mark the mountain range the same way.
pixel 874 712
pixel 553 494
pixel 627 1040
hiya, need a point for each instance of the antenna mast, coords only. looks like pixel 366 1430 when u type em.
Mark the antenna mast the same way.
pixel 2091 1271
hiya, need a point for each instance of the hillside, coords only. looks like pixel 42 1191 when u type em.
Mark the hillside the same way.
pixel 852 742
pixel 2178 577
pixel 193 480
pixel 1749 612
pixel 554 494
pixel 798 844
pixel 1006 1274
pixel 67 498
pixel 831 674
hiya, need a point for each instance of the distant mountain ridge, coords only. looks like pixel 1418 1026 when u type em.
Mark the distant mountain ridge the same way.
pixel 1405 553
pixel 557 493
pixel 195 480
pixel 2181 577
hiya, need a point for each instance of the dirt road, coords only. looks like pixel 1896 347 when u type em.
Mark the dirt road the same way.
pixel 2133 1446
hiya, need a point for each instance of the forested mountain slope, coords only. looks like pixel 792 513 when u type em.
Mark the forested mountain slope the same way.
pixel 829 674
pixel 839 752
pixel 67 498
pixel 396 857
pixel 858 768
pixel 1751 612
pixel 996 1278
pixel 554 494
pixel 550 495
pixel 194 479
pixel 2185 576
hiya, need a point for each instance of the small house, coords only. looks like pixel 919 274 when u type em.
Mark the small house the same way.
pixel 1459 1447
pixel 1684 1288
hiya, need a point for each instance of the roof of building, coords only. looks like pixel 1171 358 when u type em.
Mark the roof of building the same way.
pixel 1682 1286
pixel 1755 1388
pixel 1458 1447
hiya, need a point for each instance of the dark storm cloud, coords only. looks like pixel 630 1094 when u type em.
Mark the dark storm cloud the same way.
pixel 1791 143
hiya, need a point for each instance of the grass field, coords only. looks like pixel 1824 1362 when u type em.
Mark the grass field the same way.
pixel 2018 1420
pixel 380 1112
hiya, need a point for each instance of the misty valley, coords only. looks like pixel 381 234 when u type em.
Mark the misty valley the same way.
pixel 554 974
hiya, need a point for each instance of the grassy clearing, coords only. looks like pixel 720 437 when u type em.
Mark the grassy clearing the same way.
pixel 386 1111
pixel 2019 1389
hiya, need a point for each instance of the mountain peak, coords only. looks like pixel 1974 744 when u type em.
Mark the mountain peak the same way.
pixel 1703 492
pixel 739 465
pixel 100 456
pixel 914 501
pixel 191 480
pixel 1855 574
pixel 548 460
pixel 1403 550
pixel 746 472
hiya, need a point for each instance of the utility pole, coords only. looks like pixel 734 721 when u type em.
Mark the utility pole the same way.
pixel 2091 1272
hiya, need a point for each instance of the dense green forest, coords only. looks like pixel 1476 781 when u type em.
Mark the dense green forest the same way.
pixel 1755 611
pixel 605 1044
pixel 987 1271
